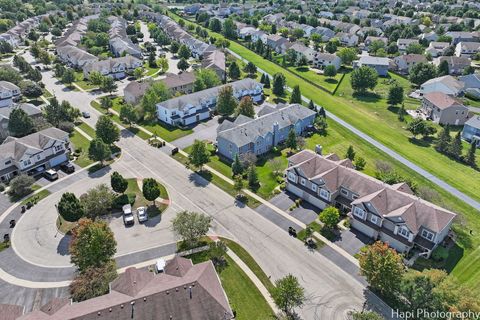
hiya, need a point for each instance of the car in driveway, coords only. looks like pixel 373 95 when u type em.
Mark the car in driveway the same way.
pixel 67 167
pixel 86 114
pixel 51 174
pixel 142 214
pixel 128 219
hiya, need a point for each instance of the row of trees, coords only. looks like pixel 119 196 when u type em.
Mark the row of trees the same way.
pixel 454 147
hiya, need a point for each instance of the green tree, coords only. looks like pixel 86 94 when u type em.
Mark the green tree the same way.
pixel 251 69
pixel 93 282
pixel 455 148
pixel 152 62
pixel 92 244
pixel 95 77
pixel 415 48
pixel 311 105
pixel 19 123
pixel 383 268
pixel 360 163
pixel 350 154
pixel 162 63
pixel 205 79
pixel 288 294
pixel 229 29
pixel 329 217
pixel 331 47
pixel 199 155
pixel 183 64
pixel 395 94
pixel 118 182
pixel 237 167
pixel 128 114
pixel 320 124
pixel 238 185
pixel 266 84
pixel 106 103
pixel 347 55
pixel 108 85
pixel 138 73
pixel 291 141
pixel 279 84
pixel 330 71
pixel 296 96
pixel 215 25
pixel 70 207
pixel 363 78
pixel 234 71
pixel 97 201
pixel 21 185
pixel 422 72
pixel 226 102
pixel 245 107
pixel 443 69
pixel 191 226
pixel 99 150
pixel 401 113
pixel 107 130
pixel 470 159
pixel 252 177
pixel 217 253
pixel 151 189
pixel 157 92
pixel 174 46
pixel 365 315
pixel 184 52
pixel 68 77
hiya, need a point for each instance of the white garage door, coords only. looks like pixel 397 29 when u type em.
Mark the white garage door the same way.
pixel 57 160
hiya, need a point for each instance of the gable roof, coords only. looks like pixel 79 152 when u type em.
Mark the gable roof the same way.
pixel 441 100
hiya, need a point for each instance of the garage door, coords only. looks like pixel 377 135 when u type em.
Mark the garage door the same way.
pixel 57 160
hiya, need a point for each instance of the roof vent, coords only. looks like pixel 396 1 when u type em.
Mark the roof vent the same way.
pixel 99 313
pixel 121 306
pixel 110 310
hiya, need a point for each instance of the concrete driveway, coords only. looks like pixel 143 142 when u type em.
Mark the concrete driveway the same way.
pixel 306 212
pixel 203 131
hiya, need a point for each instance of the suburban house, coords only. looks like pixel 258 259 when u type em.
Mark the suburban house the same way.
pixel 184 291
pixel 192 108
pixel 134 91
pixel 443 109
pixel 456 65
pixel 260 135
pixel 33 153
pixel 117 68
pixel 182 82
pixel 390 213
pixel 31 110
pixel 276 41
pixel 403 44
pixel 347 39
pixel 471 85
pixel 380 65
pixel 122 46
pixel 471 130
pixel 403 63
pixel 461 36
pixel 437 48
pixel 15 34
pixel 321 60
pixel 246 32
pixel 215 60
pixel 368 41
pixel 259 35
pixel 75 57
pixel 467 49
pixel 301 50
pixel 9 93
pixel 446 84
pixel 324 32
pixel 429 36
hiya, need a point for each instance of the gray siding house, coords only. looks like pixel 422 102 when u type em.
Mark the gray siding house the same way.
pixel 390 213
pixel 471 130
pixel 380 65
pixel 260 135
pixel 443 109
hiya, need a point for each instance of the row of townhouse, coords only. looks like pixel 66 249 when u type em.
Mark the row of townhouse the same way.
pixel 32 112
pixel 467 49
pixel 211 56
pixel 269 129
pixel 119 43
pixel 33 153
pixel 195 107
pixel 390 213
pixel 9 93
pixel 117 68
pixel 15 35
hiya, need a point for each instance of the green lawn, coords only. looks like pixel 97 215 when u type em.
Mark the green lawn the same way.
pixel 4 245
pixel 37 197
pixel 472 102
pixel 82 83
pixel 87 129
pixel 244 297
pixel 148 70
pixel 166 132
pixel 80 146
pixel 140 201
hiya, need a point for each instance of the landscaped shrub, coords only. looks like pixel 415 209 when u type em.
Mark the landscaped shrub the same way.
pixel 2 187
pixel 121 200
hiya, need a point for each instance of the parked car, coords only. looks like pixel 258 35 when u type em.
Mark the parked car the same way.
pixel 128 219
pixel 142 214
pixel 67 167
pixel 51 174
pixel 86 114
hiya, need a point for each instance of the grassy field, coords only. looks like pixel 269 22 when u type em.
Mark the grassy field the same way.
pixel 244 297
pixel 367 118
pixel 87 129
pixel 80 144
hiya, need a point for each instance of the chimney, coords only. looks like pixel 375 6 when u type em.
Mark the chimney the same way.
pixel 318 149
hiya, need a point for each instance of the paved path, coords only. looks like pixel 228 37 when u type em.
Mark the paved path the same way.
pixel 457 193
pixel 474 109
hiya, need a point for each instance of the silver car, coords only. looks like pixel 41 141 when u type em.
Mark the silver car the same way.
pixel 142 214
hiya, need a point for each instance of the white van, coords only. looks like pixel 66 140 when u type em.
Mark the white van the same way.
pixel 51 174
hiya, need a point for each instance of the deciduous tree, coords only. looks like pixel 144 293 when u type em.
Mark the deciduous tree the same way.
pixel 99 150
pixel 199 155
pixel 245 107
pixel 93 282
pixel 288 294
pixel 107 130
pixel 330 71
pixel 191 226
pixel 118 182
pixel 329 217
pixel 395 94
pixel 151 189
pixel 19 123
pixel 226 102
pixel 363 78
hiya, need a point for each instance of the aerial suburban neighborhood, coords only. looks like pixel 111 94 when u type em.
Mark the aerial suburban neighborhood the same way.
pixel 251 160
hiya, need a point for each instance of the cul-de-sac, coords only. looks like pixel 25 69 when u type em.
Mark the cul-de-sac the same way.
pixel 250 160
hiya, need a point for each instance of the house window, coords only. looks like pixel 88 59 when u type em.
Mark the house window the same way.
pixel 427 235
pixel 324 194
pixel 8 162
pixel 403 232
pixel 374 219
pixel 359 212
pixel 38 157
pixel 26 162
pixel 314 187
pixel 292 176
pixel 354 197
pixel 58 148
pixel 344 192
pixel 302 182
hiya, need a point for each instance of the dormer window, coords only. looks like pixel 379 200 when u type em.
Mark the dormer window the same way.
pixel 374 219
pixel 314 187
pixel 292 176
pixel 324 194
pixel 58 148
pixel 344 192
pixel 359 212
pixel 403 232
pixel 427 235
pixel 302 181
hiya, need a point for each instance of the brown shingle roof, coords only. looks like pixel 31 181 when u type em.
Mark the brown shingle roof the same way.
pixel 10 312
pixel 441 100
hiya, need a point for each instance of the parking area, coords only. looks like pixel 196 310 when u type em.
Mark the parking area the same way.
pixel 305 212
pixel 352 241
pixel 206 130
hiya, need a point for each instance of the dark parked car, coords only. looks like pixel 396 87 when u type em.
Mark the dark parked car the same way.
pixel 67 167
pixel 85 114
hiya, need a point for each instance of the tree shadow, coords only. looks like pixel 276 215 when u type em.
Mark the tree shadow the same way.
pixel 62 248
pixel 331 80
pixel 425 142
pixel 200 178
pixel 302 69
pixel 367 96
pixel 393 109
